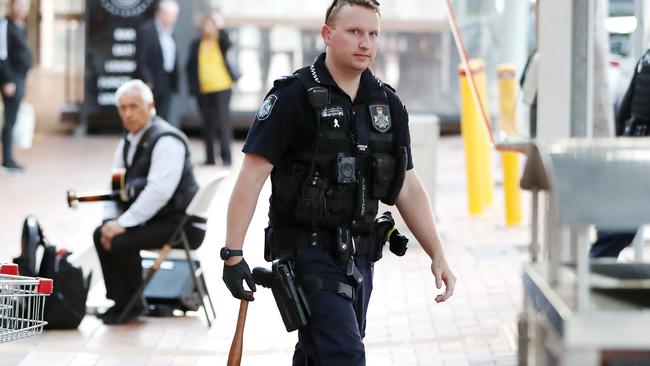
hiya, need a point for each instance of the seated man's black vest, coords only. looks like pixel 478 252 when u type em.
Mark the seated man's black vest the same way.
pixel 136 173
pixel 338 181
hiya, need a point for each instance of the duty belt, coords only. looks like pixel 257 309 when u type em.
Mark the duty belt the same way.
pixel 291 239
pixel 313 284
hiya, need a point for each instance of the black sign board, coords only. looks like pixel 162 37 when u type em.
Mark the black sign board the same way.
pixel 110 54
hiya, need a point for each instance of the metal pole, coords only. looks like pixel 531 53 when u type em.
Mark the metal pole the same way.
pixel 583 288
pixel 534 231
pixel 639 244
pixel 582 63
pixel 555 68
pixel 642 31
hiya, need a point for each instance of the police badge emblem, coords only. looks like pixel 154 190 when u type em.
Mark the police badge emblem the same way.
pixel 380 115
pixel 266 108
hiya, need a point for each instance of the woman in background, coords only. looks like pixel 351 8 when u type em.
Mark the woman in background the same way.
pixel 210 80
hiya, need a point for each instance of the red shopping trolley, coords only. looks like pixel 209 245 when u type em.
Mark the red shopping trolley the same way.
pixel 22 302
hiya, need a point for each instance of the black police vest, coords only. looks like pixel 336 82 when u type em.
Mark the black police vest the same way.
pixel 640 108
pixel 136 173
pixel 338 181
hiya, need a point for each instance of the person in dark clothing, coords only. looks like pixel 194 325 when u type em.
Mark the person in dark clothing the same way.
pixel 632 120
pixel 15 61
pixel 156 56
pixel 335 141
pixel 633 116
pixel 159 174
pixel 210 78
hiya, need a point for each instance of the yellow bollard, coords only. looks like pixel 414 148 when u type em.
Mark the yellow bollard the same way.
pixel 477 154
pixel 485 155
pixel 508 124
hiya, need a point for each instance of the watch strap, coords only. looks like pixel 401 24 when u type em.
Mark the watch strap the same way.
pixel 236 253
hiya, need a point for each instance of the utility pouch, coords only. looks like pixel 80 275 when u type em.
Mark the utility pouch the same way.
pixel 269 254
pixel 382 170
pixel 401 160
pixel 311 203
pixel 290 179
pixel 287 292
pixel 344 245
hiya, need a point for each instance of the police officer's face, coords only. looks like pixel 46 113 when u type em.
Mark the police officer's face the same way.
pixel 353 37
pixel 135 113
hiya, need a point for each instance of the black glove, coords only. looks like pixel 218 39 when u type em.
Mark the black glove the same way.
pixel 233 277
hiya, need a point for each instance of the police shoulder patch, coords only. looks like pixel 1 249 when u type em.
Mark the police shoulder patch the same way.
pixel 267 107
pixel 380 115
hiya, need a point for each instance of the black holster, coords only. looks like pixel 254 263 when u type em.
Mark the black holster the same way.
pixel 385 230
pixel 287 292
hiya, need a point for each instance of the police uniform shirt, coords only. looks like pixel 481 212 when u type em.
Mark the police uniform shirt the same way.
pixel 286 121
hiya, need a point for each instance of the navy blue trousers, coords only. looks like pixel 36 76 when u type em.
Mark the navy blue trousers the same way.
pixel 334 335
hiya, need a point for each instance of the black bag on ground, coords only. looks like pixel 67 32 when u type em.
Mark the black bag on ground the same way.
pixel 65 308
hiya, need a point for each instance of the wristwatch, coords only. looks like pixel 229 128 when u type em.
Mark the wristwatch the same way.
pixel 226 253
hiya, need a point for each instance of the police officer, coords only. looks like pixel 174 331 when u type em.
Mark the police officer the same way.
pixel 335 141
pixel 632 119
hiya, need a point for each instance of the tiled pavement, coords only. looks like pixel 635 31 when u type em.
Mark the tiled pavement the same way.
pixel 405 327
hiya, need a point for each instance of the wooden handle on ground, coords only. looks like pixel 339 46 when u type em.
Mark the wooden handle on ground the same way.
pixel 234 356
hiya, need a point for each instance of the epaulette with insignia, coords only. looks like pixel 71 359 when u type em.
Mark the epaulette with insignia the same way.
pixel 390 87
pixel 285 80
pixel 383 84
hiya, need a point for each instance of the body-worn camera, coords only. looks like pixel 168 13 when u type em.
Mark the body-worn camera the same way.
pixel 287 292
pixel 346 169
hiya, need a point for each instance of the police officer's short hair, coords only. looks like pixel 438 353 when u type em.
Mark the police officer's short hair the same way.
pixel 336 6
pixel 134 85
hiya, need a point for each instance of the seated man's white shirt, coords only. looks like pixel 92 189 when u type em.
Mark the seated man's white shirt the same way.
pixel 165 172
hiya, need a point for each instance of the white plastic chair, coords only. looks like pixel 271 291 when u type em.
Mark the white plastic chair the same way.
pixel 198 207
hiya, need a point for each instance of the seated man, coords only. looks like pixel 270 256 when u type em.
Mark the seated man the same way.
pixel 156 158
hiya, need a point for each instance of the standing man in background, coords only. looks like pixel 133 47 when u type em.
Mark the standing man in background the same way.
pixel 156 56
pixel 15 61
pixel 210 79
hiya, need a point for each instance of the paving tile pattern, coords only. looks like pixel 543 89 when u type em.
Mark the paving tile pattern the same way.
pixel 405 325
